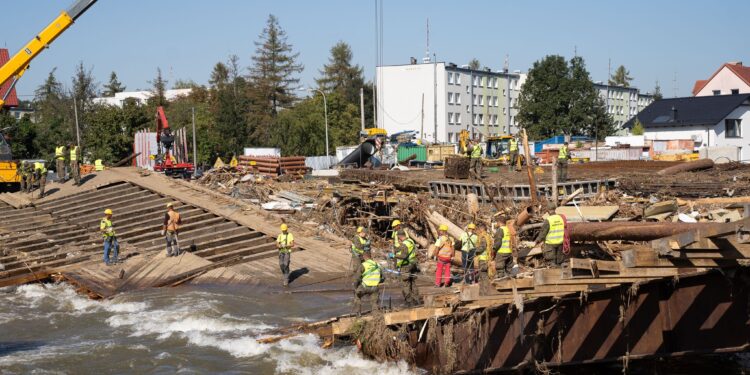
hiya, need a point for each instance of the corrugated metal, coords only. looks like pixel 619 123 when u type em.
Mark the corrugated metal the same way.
pixel 12 99
pixel 343 151
pixel 145 144
pixel 405 152
pixel 320 162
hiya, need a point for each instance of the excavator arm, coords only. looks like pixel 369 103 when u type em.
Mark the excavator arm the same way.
pixel 19 63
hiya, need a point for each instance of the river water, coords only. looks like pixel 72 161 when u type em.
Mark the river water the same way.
pixel 185 330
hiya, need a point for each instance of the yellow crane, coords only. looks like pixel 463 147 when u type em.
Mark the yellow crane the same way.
pixel 14 69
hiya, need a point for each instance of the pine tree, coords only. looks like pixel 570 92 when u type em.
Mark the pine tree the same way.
pixel 53 116
pixel 229 105
pixel 621 77
pixel 273 79
pixel 474 64
pixel 657 92
pixel 340 76
pixel 84 87
pixel 113 86
pixel 638 128
pixel 158 90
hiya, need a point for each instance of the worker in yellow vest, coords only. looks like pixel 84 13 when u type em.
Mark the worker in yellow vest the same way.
pixel 98 165
pixel 75 171
pixel 40 176
pixel 468 243
pixel 563 157
pixel 504 257
pixel 369 278
pixel 406 263
pixel 285 243
pixel 553 235
pixel 60 163
pixel 444 251
pixel 397 226
pixel 513 153
pixel 106 228
pixel 482 258
pixel 360 245
pixel 476 159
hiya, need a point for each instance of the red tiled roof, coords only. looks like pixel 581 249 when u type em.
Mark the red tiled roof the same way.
pixel 739 70
pixel 12 99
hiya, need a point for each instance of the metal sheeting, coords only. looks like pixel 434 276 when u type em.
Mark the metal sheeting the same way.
pixel 145 144
pixel 320 162
pixel 609 154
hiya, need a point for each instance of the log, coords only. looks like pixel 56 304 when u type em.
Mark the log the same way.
pixel 423 243
pixel 453 230
pixel 725 200
pixel 687 167
pixel 529 168
pixel 630 231
pixel 572 196
pixel 126 159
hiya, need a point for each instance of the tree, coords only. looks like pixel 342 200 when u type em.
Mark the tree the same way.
pixel 621 77
pixel 657 92
pixel 273 79
pixel 229 107
pixel 54 116
pixel 158 90
pixel 113 86
pixel 474 64
pixel 638 128
pixel 340 76
pixel 184 84
pixel 587 111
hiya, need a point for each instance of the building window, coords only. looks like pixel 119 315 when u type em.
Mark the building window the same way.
pixel 495 101
pixel 450 98
pixel 457 98
pixel 457 118
pixel 717 92
pixel 457 78
pixel 503 92
pixel 474 99
pixel 504 110
pixel 450 78
pixel 481 99
pixel 481 118
pixel 732 128
pixel 735 91
pixel 450 118
pixel 495 83
pixel 450 137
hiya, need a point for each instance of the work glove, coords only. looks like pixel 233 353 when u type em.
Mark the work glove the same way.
pixel 163 232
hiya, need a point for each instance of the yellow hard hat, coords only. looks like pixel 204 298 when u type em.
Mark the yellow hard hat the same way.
pixel 360 229
pixel 395 223
pixel 471 226
pixel 170 204
pixel 284 227
pixel 443 227
pixel 108 212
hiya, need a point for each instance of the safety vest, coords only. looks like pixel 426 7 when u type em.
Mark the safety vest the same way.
pixel 74 153
pixel 485 255
pixel 40 167
pixel 371 273
pixel 411 253
pixel 563 152
pixel 476 152
pixel 394 235
pixel 468 243
pixel 285 239
pixel 556 230
pixel 106 226
pixel 59 152
pixel 98 165
pixel 513 145
pixel 172 223
pixel 359 250
pixel 444 247
pixel 505 243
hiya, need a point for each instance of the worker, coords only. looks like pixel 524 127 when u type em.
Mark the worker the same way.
pixel 503 256
pixel 482 258
pixel 562 163
pixel 98 165
pixel 367 280
pixel 468 243
pixel 444 254
pixel 285 242
pixel 110 239
pixel 406 263
pixel 75 172
pixel 396 227
pixel 170 229
pixel 360 245
pixel 513 153
pixel 28 172
pixel 553 235
pixel 476 159
pixel 21 174
pixel 40 176
pixel 60 163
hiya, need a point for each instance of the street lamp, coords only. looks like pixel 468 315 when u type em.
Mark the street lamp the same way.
pixel 325 111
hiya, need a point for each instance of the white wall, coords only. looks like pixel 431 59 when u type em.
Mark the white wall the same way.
pixel 743 113
pixel 725 81
pixel 139 96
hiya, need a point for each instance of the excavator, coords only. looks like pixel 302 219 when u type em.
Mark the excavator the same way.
pixel 165 160
pixel 496 152
pixel 15 68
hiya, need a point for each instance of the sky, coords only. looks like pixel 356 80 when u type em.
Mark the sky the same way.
pixel 674 42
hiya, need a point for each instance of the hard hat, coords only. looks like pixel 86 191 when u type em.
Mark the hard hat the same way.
pixel 360 229
pixel 443 227
pixel 108 212
pixel 170 204
pixel 471 226
pixel 395 223
pixel 284 227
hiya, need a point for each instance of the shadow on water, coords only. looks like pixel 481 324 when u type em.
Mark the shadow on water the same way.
pixel 11 347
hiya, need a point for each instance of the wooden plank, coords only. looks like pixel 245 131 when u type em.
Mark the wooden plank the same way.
pixel 415 314
pixel 642 258
pixel 594 264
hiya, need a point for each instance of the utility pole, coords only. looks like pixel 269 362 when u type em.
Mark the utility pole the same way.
pixel 195 148
pixel 78 130
pixel 362 107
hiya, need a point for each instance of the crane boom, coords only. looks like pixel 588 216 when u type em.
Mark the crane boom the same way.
pixel 18 64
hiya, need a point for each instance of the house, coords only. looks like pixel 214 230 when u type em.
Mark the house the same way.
pixel 717 125
pixel 730 78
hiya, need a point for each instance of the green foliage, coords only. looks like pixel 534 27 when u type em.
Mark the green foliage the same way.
pixel 474 64
pixel 621 77
pixel 113 86
pixel 638 128
pixel 158 90
pixel 340 76
pixel 560 98
pixel 55 123
pixel 657 92
pixel 110 130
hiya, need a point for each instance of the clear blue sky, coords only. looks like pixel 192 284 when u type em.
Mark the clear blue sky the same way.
pixel 653 39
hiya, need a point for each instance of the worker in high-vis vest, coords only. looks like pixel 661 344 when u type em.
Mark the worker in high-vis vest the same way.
pixel 110 238
pixel 369 276
pixel 406 263
pixel 98 165
pixel 397 226
pixel 503 255
pixel 444 251
pixel 285 243
pixel 553 235
pixel 563 157
pixel 75 171
pixel 482 258
pixel 23 171
pixel 360 246
pixel 468 243
pixel 170 230
pixel 60 163
pixel 512 153
pixel 40 176
pixel 476 159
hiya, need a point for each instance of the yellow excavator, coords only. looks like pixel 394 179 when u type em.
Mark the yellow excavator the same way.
pixel 496 152
pixel 14 69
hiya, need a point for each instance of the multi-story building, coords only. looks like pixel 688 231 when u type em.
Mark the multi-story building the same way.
pixel 623 102
pixel 140 97
pixel 731 78
pixel 439 99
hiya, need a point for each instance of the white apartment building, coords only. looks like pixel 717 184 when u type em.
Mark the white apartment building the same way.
pixel 623 102
pixel 139 96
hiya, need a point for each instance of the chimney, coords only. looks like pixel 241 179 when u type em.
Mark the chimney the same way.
pixel 738 63
pixel 413 60
pixel 674 114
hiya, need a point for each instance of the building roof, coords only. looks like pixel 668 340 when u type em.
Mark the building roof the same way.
pixel 689 111
pixel 743 72
pixel 12 99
